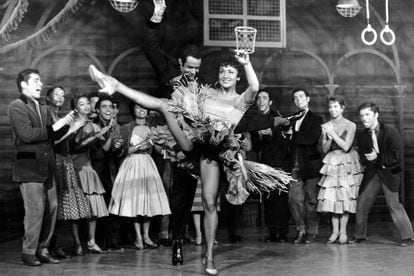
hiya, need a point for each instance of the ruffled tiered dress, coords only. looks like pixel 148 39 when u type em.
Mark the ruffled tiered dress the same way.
pixel 138 189
pixel 341 178
pixel 88 178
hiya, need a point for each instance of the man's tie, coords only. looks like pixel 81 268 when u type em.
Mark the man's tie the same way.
pixel 374 140
pixel 38 112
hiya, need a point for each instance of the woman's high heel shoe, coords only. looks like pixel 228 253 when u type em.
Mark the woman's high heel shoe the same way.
pixel 150 244
pixel 343 238
pixel 333 238
pixel 209 266
pixel 107 83
pixel 79 250
pixel 94 248
pixel 138 244
pixel 198 240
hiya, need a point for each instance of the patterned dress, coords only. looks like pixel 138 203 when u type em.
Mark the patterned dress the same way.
pixel 138 189
pixel 72 203
pixel 341 178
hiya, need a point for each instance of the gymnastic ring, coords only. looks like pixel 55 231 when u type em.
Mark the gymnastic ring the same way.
pixel 371 30
pixel 382 36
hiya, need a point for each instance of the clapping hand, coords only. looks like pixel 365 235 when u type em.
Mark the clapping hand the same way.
pixel 328 131
pixel 371 156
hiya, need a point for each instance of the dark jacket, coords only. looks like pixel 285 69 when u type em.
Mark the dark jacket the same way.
pixel 305 146
pixel 387 164
pixel 105 163
pixel 35 158
pixel 273 149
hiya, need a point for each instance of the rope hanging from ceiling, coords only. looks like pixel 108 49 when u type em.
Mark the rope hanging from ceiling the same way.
pixel 14 19
pixel 43 34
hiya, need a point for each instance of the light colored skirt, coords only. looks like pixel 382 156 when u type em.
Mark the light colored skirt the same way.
pixel 341 177
pixel 138 189
pixel 92 188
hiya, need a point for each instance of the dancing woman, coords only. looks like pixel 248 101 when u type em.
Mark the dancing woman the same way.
pixel 341 170
pixel 222 103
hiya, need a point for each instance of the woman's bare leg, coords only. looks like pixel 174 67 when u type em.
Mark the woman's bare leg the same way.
pixel 197 226
pixel 75 232
pixel 210 176
pixel 109 85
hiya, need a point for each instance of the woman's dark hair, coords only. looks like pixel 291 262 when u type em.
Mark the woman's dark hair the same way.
pixel 338 99
pixel 75 99
pixel 230 60
pixel 50 91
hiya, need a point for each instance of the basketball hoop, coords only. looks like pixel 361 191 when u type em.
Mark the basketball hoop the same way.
pixel 124 5
pixel 245 39
pixel 348 8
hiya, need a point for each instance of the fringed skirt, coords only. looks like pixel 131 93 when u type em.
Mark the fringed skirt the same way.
pixel 73 204
pixel 341 178
pixel 92 188
pixel 138 189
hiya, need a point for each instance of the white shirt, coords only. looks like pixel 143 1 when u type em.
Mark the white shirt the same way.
pixel 298 123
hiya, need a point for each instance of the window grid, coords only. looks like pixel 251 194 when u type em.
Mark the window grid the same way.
pixel 267 16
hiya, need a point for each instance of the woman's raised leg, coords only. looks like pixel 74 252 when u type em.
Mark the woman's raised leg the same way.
pixel 109 85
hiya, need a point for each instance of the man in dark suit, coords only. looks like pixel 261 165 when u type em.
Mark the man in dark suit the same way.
pixel 105 158
pixel 306 164
pixel 35 166
pixel 379 150
pixel 170 72
pixel 273 150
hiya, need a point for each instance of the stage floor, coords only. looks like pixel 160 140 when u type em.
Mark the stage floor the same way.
pixel 379 255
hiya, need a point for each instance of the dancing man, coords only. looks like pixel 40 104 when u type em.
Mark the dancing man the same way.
pixel 379 150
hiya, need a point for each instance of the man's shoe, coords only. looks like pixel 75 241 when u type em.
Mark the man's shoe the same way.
pixel 356 240
pixel 177 253
pixel 45 258
pixel 30 260
pixel 406 242
pixel 300 238
pixel 310 239
pixel 61 254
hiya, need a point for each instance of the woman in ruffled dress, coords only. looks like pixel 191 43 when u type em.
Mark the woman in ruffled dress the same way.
pixel 223 105
pixel 341 170
pixel 89 180
pixel 72 203
pixel 138 191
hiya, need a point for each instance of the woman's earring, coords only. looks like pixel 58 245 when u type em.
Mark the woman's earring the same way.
pixel 217 85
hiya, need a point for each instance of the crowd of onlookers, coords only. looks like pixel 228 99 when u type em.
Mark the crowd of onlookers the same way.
pixel 87 167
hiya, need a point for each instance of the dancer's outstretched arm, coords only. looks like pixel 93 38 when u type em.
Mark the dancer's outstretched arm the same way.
pixel 109 85
pixel 251 91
